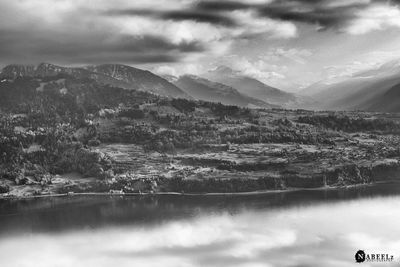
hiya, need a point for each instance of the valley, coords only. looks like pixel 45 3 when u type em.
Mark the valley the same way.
pixel 199 133
pixel 369 90
pixel 66 135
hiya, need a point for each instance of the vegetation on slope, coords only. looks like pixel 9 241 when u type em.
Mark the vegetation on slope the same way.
pixel 134 141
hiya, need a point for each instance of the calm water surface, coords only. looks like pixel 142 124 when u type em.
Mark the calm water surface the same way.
pixel 304 228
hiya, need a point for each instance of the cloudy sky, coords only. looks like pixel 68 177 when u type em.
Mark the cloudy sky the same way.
pixel 288 44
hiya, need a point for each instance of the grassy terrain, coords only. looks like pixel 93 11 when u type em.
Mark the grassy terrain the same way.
pixel 62 134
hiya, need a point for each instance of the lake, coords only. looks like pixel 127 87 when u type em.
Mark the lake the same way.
pixel 299 228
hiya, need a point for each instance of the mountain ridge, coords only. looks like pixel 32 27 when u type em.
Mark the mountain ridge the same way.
pixel 113 74
pixel 359 90
pixel 204 89
pixel 250 86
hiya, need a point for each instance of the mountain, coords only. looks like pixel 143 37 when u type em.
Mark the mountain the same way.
pixel 13 71
pixel 113 74
pixel 387 102
pixel 357 91
pixel 44 70
pixel 206 90
pixel 250 86
pixel 139 79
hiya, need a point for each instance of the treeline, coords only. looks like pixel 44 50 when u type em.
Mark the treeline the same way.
pixel 348 124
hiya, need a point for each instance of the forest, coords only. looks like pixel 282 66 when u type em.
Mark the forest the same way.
pixel 62 134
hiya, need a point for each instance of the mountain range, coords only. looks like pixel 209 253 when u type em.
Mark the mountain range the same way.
pixel 375 89
pixel 250 86
pixel 372 90
pixel 113 74
pixel 203 89
pixel 224 85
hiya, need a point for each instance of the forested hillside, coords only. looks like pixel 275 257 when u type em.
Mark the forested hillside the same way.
pixel 63 134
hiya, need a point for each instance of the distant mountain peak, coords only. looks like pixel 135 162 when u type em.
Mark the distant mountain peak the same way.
pixel 46 65
pixel 224 70
pixel 170 78
pixel 204 89
pixel 19 66
pixel 393 64
pixel 365 90
pixel 17 70
pixel 391 67
pixel 114 66
pixel 250 86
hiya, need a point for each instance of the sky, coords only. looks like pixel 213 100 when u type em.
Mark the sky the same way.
pixel 287 44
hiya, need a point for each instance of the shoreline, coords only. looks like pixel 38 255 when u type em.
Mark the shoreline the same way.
pixel 248 193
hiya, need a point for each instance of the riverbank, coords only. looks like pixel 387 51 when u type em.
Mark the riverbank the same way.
pixel 249 193
pixel 129 184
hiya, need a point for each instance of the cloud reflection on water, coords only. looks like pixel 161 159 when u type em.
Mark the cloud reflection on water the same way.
pixel 326 234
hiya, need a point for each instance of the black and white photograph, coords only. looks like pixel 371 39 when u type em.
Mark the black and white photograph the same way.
pixel 199 133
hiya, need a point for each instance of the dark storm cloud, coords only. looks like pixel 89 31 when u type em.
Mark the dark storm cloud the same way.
pixel 122 43
pixel 177 15
pixel 322 16
pixel 81 36
pixel 199 17
pixel 74 31
pixel 129 58
pixel 323 13
pixel 27 46
pixel 387 1
pixel 131 12
pixel 223 5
